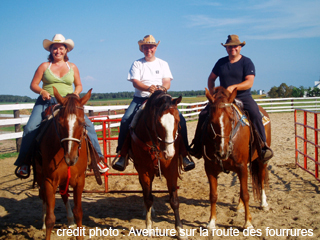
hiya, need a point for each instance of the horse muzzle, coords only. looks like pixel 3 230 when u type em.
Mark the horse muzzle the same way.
pixel 71 161
pixel 169 151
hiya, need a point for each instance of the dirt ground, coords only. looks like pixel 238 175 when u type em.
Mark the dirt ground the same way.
pixel 293 197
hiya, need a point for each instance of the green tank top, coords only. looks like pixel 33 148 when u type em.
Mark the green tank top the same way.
pixel 63 84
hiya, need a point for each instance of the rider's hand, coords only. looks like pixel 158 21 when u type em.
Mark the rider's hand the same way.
pixel 152 88
pixel 45 95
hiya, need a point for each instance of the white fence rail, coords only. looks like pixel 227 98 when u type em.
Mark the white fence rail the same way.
pixel 189 110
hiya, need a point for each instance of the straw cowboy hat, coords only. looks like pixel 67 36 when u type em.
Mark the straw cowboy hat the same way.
pixel 58 38
pixel 147 40
pixel 233 40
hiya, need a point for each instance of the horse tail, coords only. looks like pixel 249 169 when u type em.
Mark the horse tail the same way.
pixel 259 176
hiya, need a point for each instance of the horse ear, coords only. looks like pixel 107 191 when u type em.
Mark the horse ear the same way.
pixel 57 95
pixel 86 97
pixel 233 95
pixel 209 96
pixel 176 101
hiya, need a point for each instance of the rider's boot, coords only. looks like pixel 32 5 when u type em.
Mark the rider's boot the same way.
pixel 187 163
pixel 266 153
pixel 121 163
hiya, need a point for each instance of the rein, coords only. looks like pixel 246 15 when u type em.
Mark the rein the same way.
pixel 231 135
pixel 64 192
pixel 67 185
pixel 154 149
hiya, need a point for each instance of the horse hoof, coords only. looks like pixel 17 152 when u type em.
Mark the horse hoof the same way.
pixel 73 226
pixel 265 208
pixel 240 210
pixel 211 225
pixel 182 238
pixel 248 226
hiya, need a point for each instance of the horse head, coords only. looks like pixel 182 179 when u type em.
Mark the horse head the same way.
pixel 71 124
pixel 221 121
pixel 164 121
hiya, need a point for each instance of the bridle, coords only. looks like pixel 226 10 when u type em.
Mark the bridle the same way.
pixel 70 138
pixel 233 132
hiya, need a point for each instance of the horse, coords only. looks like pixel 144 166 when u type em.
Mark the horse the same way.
pixel 64 157
pixel 227 146
pixel 155 145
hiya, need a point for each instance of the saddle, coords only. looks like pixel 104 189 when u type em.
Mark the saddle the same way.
pixel 244 120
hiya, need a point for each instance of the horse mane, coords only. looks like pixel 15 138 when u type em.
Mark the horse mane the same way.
pixel 221 93
pixel 158 102
pixel 71 104
pixel 221 96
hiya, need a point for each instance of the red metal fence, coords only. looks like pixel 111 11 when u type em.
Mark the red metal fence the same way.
pixel 107 134
pixel 306 139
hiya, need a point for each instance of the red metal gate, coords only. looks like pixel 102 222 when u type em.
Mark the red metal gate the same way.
pixel 310 161
pixel 108 132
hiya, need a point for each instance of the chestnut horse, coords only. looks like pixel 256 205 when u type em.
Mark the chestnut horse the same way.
pixel 227 146
pixel 155 150
pixel 64 158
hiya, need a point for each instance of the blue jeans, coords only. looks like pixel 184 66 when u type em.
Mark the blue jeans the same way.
pixel 128 116
pixel 32 128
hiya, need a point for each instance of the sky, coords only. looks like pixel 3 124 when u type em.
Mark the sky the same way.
pixel 282 39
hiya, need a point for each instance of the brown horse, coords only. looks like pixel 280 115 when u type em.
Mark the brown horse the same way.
pixel 64 159
pixel 155 150
pixel 227 147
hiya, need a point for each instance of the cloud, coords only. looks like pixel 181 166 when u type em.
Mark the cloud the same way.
pixel 265 20
pixel 89 79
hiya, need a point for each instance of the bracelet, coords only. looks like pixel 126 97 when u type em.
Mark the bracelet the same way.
pixel 41 92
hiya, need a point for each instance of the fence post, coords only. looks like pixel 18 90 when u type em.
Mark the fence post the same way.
pixel 16 114
pixel 91 113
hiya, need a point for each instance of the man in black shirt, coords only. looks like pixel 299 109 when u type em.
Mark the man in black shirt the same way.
pixel 234 71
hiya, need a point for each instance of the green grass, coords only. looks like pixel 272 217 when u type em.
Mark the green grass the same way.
pixel 9 155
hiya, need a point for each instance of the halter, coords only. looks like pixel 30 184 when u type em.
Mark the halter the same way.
pixel 154 149
pixel 70 138
pixel 231 135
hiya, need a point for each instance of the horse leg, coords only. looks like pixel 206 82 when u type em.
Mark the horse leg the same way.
pixel 244 195
pixel 146 184
pixel 44 206
pixel 263 175
pixel 69 210
pixel 50 201
pixel 212 177
pixel 174 203
pixel 77 210
pixel 240 207
pixel 44 209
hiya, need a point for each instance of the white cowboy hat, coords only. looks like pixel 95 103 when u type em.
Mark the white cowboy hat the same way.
pixel 147 40
pixel 58 38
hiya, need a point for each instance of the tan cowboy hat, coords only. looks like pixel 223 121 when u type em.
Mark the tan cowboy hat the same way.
pixel 233 40
pixel 147 40
pixel 58 38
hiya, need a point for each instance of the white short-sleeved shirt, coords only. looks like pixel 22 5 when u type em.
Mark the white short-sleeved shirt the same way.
pixel 149 73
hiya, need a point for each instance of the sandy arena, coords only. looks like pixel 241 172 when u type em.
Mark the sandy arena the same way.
pixel 293 197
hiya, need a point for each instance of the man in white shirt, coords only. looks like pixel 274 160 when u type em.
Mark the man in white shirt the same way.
pixel 146 74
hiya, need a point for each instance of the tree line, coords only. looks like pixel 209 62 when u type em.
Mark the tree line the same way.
pixel 282 91
pixel 102 96
pixel 285 91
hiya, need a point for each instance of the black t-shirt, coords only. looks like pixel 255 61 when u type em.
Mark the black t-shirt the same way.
pixel 234 73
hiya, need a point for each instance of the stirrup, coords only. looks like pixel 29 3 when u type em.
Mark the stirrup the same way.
pixel 266 154
pixel 187 163
pixel 17 172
